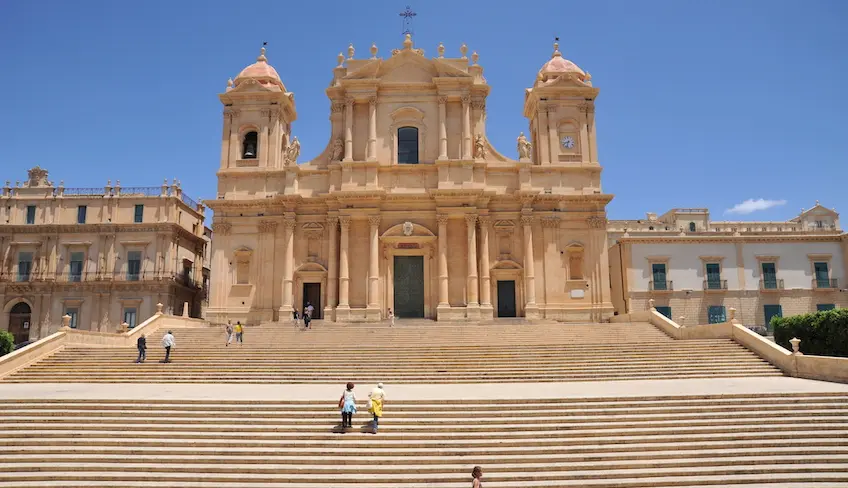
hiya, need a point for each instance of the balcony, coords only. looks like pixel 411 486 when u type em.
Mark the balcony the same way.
pixel 825 284
pixel 772 284
pixel 661 285
pixel 715 285
pixel 89 277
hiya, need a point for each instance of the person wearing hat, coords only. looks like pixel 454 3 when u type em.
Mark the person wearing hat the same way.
pixel 376 400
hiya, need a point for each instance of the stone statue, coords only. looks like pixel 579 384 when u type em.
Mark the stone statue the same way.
pixel 408 227
pixel 479 147
pixel 524 147
pixel 338 150
pixel 293 151
pixel 37 177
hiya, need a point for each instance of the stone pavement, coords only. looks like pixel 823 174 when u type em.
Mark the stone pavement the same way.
pixel 480 391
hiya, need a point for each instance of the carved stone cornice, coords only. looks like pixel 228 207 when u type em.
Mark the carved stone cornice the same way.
pixel 504 227
pixel 442 219
pixel 374 220
pixel 471 220
pixel 312 230
pixel 267 226
pixel 222 228
pixel 344 221
pixel 550 222
pixel 596 222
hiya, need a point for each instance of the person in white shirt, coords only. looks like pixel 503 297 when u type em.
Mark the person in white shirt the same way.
pixel 309 310
pixel 168 342
pixel 391 318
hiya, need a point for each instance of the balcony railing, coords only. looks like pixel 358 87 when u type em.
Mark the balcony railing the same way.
pixel 88 277
pixel 715 285
pixel 771 284
pixel 825 283
pixel 661 285
pixel 84 192
pixel 188 201
pixel 141 191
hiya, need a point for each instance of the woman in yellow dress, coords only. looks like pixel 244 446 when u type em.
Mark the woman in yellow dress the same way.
pixel 376 400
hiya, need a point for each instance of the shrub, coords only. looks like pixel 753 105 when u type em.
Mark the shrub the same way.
pixel 7 343
pixel 821 333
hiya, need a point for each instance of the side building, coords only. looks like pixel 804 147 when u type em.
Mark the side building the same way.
pixel 695 269
pixel 101 255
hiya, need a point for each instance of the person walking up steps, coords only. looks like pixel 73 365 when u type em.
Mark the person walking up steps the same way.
pixel 476 476
pixel 168 342
pixel 391 318
pixel 239 333
pixel 229 332
pixel 376 401
pixel 142 349
pixel 348 405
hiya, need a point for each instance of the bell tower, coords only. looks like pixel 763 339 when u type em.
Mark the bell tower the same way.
pixel 561 109
pixel 258 113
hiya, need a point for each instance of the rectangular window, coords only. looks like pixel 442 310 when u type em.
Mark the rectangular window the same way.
pixel 824 307
pixel 771 311
pixel 30 214
pixel 133 265
pixel 769 276
pixel 139 214
pixel 81 211
pixel 716 314
pixel 74 313
pixel 713 276
pixel 77 259
pixel 658 272
pixel 130 316
pixel 822 276
pixel 24 266
pixel 665 311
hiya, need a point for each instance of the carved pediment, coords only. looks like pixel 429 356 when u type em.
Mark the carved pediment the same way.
pixel 504 227
pixel 409 73
pixel 313 230
pixel 407 230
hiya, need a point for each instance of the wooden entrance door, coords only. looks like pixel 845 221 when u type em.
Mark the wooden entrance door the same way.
pixel 409 286
pixel 312 294
pixel 506 298
pixel 20 322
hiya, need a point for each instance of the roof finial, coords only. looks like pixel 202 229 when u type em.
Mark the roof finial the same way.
pixel 229 82
pixel 556 48
pixel 262 53
pixel 340 59
pixel 373 50
pixel 441 50
pixel 474 58
pixel 464 50
pixel 407 41
pixel 817 202
pixel 350 51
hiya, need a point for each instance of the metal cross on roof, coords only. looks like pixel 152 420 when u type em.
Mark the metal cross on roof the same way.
pixel 407 15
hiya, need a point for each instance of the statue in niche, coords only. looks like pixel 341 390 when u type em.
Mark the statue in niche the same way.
pixel 293 151
pixel 479 147
pixel 524 147
pixel 338 150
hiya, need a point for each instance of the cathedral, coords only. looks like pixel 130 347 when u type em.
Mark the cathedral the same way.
pixel 410 208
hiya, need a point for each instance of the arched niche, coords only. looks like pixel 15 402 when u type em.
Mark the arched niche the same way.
pixel 408 117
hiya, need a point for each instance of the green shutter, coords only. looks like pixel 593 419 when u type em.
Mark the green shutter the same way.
pixel 716 314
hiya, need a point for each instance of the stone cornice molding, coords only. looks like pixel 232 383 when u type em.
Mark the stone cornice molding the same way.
pixel 690 239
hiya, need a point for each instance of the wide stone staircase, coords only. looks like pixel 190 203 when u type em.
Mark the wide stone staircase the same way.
pixel 730 440
pixel 410 352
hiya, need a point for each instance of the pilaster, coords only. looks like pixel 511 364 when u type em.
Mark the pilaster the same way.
pixel 486 309
pixel 332 269
pixel 443 307
pixel 531 309
pixel 472 304
pixel 343 309
pixel 443 133
pixel 372 311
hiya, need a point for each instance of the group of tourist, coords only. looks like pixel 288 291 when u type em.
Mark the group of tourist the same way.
pixel 167 342
pixel 308 310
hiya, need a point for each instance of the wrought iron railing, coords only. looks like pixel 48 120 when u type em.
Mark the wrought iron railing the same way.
pixel 141 191
pixel 661 285
pixel 188 201
pixel 87 192
pixel 715 284
pixel 825 283
pixel 771 284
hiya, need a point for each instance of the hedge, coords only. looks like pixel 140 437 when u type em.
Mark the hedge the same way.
pixel 821 333
pixel 7 343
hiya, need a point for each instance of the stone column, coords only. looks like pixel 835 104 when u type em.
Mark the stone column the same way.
pixel 372 129
pixel 348 129
pixel 542 130
pixel 288 266
pixel 553 135
pixel 332 269
pixel 443 132
pixel 466 127
pixel 344 277
pixel 443 260
pixel 472 285
pixel 374 262
pixel 531 309
pixel 485 282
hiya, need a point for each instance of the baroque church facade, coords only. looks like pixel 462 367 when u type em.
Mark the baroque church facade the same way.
pixel 410 207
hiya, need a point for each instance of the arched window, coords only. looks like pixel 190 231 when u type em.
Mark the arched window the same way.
pixel 408 145
pixel 249 146
pixel 691 226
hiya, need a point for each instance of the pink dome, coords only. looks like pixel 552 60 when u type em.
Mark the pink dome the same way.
pixel 262 72
pixel 558 66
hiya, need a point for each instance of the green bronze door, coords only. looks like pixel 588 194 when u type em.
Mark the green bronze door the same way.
pixel 409 286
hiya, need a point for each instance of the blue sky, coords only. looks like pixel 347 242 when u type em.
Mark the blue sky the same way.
pixel 702 103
